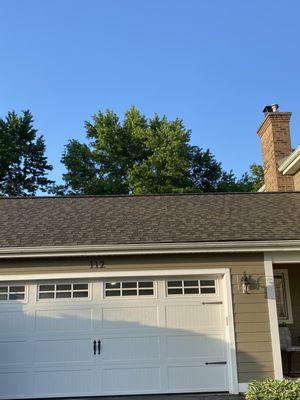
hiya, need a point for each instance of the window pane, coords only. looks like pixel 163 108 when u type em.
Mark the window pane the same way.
pixel 129 292
pixel 46 288
pixel 113 293
pixel 207 283
pixel 16 296
pixel 63 287
pixel 146 292
pixel 3 296
pixel 174 291
pixel 191 291
pixel 191 283
pixel 80 286
pixel 129 285
pixel 48 295
pixel 174 283
pixel 208 290
pixel 80 294
pixel 14 289
pixel 280 297
pixel 3 289
pixel 145 284
pixel 112 285
pixel 63 295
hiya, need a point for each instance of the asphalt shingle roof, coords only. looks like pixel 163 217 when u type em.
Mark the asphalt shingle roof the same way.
pixel 101 220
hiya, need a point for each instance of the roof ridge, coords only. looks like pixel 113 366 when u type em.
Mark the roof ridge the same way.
pixel 144 195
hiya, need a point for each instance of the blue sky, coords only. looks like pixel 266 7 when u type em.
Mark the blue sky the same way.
pixel 214 63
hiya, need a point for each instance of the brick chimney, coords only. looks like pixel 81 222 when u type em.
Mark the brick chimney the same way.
pixel 274 133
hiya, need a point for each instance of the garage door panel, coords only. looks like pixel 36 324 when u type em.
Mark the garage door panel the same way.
pixel 193 378
pixel 195 316
pixel 63 350
pixel 58 319
pixel 191 346
pixel 130 348
pixel 13 321
pixel 130 317
pixel 131 380
pixel 14 384
pixel 63 382
pixel 14 352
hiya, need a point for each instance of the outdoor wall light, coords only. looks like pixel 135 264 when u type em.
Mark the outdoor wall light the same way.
pixel 245 284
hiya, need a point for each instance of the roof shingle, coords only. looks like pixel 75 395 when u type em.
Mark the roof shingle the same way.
pixel 101 220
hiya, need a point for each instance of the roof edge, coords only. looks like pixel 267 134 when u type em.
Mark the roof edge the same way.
pixel 143 249
pixel 91 196
pixel 291 164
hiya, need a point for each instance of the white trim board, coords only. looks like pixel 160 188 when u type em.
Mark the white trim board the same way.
pixel 225 272
pixel 243 387
pixel 232 360
pixel 285 258
pixel 102 273
pixel 277 362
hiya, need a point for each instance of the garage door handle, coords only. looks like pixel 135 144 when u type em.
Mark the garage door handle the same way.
pixel 95 346
pixel 99 346
pixel 216 363
pixel 212 302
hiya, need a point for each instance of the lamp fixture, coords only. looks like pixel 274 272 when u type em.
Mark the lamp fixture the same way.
pixel 245 284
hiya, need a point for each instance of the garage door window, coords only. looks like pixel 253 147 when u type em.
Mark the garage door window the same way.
pixel 63 291
pixel 12 293
pixel 134 288
pixel 191 287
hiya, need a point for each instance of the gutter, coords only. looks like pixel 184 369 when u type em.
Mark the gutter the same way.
pixel 291 164
pixel 143 249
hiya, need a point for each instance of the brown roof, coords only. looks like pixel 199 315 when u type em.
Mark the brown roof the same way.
pixel 100 220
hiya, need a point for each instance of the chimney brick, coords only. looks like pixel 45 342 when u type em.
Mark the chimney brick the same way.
pixel 274 133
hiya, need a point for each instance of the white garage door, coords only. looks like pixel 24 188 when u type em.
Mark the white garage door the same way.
pixel 127 336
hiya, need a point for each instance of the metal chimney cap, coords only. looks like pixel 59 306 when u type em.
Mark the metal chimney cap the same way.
pixel 267 109
pixel 274 107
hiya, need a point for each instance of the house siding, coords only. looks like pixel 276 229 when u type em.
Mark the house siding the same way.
pixel 251 318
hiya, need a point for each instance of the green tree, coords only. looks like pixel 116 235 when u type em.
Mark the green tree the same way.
pixel 135 156
pixel 163 166
pixel 23 164
pixel 251 181
pixel 140 155
pixel 207 174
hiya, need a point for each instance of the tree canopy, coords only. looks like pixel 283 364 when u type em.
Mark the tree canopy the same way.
pixel 140 156
pixel 23 164
pixel 135 155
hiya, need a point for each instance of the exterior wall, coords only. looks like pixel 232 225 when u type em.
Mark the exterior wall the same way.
pixel 297 181
pixel 294 280
pixel 276 144
pixel 251 318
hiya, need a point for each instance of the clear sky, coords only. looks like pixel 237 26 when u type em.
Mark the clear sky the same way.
pixel 214 63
